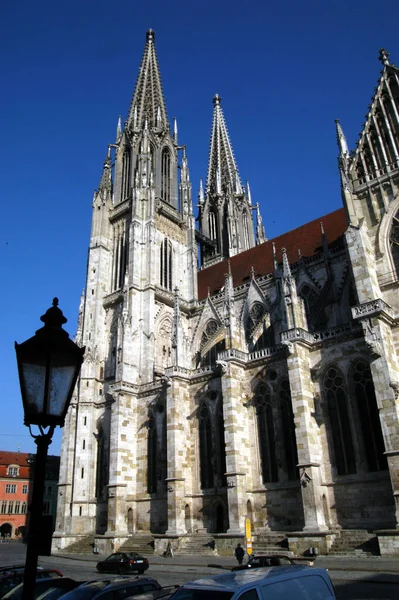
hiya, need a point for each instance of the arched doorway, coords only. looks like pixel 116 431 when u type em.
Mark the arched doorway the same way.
pixel 187 518
pixel 6 530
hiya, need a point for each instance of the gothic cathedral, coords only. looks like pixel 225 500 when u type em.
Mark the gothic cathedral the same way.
pixel 227 376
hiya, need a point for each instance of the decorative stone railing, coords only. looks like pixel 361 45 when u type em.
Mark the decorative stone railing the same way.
pixel 264 353
pixel 373 307
pixel 327 334
pixel 170 371
pixel 233 353
pixel 298 333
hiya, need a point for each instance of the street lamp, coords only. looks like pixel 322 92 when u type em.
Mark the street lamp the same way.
pixel 48 367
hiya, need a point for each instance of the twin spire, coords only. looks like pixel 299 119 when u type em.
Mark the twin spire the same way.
pixel 223 176
pixel 148 103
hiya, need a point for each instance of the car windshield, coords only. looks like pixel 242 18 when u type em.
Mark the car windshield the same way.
pixel 187 594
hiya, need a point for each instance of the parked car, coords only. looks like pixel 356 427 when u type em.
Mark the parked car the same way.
pixel 123 563
pixel 265 560
pixel 53 593
pixel 163 593
pixel 274 583
pixel 117 589
pixel 13 575
pixel 41 585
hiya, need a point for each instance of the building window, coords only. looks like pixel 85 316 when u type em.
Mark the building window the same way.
pixel 102 473
pixel 220 445
pixel 267 441
pixel 25 488
pixel 10 507
pixel 23 508
pixel 165 271
pixel 341 435
pixel 245 231
pixel 213 228
pixel 369 417
pixel 46 507
pixel 289 439
pixel 394 243
pixel 125 174
pixel 206 448
pixel 157 449
pixel 13 471
pixel 165 175
pixel 17 507
pixel 11 488
pixel 4 507
pixel 49 490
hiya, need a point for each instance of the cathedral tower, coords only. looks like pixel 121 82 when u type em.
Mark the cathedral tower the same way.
pixel 142 264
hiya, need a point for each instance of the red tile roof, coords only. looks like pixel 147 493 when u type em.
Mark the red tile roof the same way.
pixel 306 238
pixel 14 458
pixel 21 459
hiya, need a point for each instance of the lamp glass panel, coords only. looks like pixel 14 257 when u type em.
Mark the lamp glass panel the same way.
pixel 61 380
pixel 34 377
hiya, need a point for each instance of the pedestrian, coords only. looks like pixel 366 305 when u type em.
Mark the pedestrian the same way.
pixel 239 554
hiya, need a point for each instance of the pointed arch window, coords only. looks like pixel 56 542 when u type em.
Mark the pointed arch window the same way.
pixel 165 269
pixel 102 464
pixel 394 242
pixel 209 358
pixel 213 226
pixel 309 296
pixel 206 448
pixel 369 417
pixel 341 435
pixel 289 441
pixel 245 230
pixel 220 445
pixel 266 436
pixel 157 449
pixel 125 188
pixel 165 175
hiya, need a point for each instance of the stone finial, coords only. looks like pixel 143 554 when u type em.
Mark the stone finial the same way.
pixel 150 35
pixel 384 57
pixel 217 100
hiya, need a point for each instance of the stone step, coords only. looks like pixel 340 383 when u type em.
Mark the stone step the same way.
pixel 355 542
pixel 140 544
pixel 83 545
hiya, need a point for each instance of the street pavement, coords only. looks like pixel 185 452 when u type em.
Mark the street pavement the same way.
pixel 371 568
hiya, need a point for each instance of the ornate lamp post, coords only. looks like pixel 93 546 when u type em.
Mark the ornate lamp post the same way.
pixel 48 367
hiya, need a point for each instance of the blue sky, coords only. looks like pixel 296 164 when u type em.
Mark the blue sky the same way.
pixel 285 71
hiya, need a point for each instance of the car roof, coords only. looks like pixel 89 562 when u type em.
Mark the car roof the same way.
pixel 234 580
pixel 109 582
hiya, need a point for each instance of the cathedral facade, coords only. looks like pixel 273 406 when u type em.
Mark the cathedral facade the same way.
pixel 227 376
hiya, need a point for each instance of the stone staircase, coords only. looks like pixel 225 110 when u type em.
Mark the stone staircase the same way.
pixel 274 542
pixel 140 543
pixel 355 542
pixel 196 544
pixel 83 545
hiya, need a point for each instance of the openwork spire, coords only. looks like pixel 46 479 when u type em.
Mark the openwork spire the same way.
pixel 223 174
pixel 148 101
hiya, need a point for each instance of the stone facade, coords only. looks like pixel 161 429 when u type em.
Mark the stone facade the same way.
pixel 262 384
